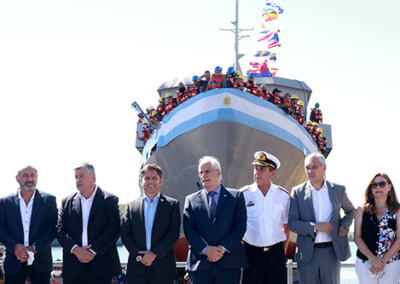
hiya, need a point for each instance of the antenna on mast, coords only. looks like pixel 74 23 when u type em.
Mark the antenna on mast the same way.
pixel 238 37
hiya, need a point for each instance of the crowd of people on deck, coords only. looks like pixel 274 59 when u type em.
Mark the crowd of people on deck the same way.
pixel 233 79
pixel 234 236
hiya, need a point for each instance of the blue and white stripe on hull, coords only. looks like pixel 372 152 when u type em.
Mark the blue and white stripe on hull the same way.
pixel 236 106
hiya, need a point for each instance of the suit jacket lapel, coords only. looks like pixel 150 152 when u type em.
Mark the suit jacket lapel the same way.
pixel 18 211
pixel 141 211
pixel 77 206
pixel 37 207
pixel 308 198
pixel 221 200
pixel 161 206
pixel 96 202
pixel 331 192
pixel 204 200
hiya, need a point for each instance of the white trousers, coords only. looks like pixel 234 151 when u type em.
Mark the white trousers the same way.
pixel 391 273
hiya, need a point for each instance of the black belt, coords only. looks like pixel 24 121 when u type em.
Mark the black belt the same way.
pixel 323 245
pixel 267 248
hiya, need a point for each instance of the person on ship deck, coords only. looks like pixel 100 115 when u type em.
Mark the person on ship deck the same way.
pixel 230 77
pixel 195 88
pixel 251 86
pixel 293 103
pixel 263 93
pixel 308 126
pixel 170 103
pixel 286 105
pixel 239 82
pixel 316 114
pixel 204 80
pixel 298 114
pixel 161 108
pixel 276 98
pixel 218 80
pixel 182 94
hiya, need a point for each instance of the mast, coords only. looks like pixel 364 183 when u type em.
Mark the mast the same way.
pixel 238 37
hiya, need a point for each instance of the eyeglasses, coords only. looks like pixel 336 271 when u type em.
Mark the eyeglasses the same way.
pixel 206 172
pixel 381 184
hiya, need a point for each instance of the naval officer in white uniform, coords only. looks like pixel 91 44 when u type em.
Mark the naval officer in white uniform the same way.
pixel 267 233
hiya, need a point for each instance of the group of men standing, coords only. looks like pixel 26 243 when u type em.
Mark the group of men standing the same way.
pixel 88 227
pixel 229 231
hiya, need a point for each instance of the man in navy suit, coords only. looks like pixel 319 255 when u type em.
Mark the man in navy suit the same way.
pixel 214 221
pixel 27 227
pixel 150 229
pixel 88 228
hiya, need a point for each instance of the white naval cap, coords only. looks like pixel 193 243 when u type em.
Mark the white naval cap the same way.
pixel 264 159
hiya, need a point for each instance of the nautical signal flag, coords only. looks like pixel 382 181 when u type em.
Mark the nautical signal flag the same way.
pixel 270 15
pixel 273 44
pixel 265 53
pixel 268 34
pixel 262 70
pixel 270 12
pixel 272 4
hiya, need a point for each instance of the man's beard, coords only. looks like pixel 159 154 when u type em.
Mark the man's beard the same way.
pixel 29 187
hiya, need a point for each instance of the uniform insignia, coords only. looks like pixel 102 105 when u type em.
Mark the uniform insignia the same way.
pixel 251 203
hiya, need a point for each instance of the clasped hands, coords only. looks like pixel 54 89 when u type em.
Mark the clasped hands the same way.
pixel 84 254
pixel 147 258
pixel 327 227
pixel 21 252
pixel 377 265
pixel 214 254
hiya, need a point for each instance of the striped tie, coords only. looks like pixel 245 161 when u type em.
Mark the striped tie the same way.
pixel 213 205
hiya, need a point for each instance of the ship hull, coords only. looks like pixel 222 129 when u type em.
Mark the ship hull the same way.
pixel 230 125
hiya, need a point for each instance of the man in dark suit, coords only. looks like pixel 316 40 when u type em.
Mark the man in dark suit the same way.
pixel 314 215
pixel 27 227
pixel 88 228
pixel 150 228
pixel 214 221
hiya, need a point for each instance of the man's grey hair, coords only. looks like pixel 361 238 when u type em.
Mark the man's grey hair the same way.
pixel 29 166
pixel 318 156
pixel 210 159
pixel 88 166
pixel 214 163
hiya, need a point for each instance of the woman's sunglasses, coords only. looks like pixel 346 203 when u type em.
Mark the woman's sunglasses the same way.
pixel 381 184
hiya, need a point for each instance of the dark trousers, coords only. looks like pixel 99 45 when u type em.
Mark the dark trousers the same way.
pixel 88 277
pixel 265 266
pixel 150 277
pixel 25 271
pixel 215 275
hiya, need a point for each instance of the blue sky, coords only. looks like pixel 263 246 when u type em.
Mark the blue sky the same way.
pixel 70 70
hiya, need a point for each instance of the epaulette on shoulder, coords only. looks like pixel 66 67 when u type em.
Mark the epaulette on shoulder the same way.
pixel 283 189
pixel 244 188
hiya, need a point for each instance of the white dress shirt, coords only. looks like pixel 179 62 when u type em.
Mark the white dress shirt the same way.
pixel 266 215
pixel 86 205
pixel 323 210
pixel 26 214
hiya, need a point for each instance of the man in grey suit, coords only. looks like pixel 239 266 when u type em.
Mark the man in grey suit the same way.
pixel 314 215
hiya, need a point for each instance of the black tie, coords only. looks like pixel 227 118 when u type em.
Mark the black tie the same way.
pixel 213 206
